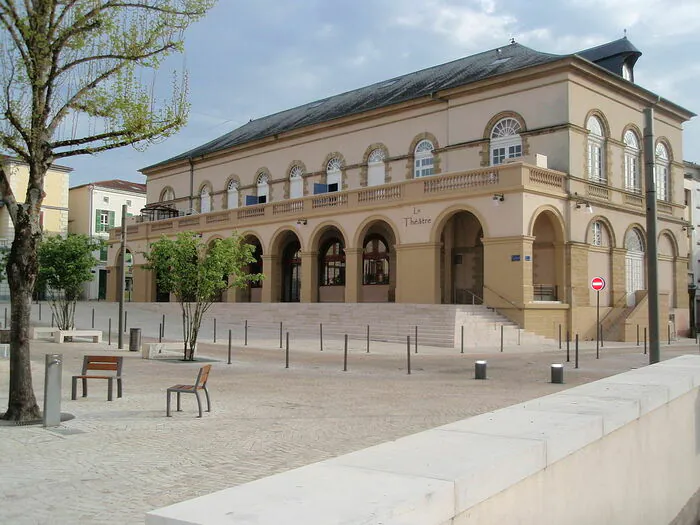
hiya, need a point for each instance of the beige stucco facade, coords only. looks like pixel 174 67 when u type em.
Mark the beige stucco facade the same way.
pixel 516 235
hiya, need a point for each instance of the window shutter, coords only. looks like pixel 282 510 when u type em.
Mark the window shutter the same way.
pixel 103 253
pixel 111 219
pixel 98 228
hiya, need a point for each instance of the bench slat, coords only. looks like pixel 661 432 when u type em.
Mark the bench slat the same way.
pixel 95 377
pixel 101 366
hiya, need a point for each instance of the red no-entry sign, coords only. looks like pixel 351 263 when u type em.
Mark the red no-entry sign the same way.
pixel 597 283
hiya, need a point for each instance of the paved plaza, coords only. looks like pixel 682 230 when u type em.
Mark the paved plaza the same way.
pixel 117 460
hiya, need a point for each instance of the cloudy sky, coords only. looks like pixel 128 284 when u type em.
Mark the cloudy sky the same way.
pixel 249 59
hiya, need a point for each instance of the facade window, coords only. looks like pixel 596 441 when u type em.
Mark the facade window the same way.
pixel 375 261
pixel 597 234
pixel 103 253
pixel 661 173
pixel 167 195
pixel 334 174
pixel 333 263
pixel 128 203
pixel 104 220
pixel 632 174
pixel 263 187
pixel 105 200
pixel 505 141
pixel 423 159
pixel 204 200
pixel 232 195
pixel 375 168
pixel 627 72
pixel 596 151
pixel 296 182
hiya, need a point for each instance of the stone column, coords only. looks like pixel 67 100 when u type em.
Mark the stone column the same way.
pixel 271 292
pixel 353 275
pixel 618 286
pixel 418 273
pixel 309 277
pixel 508 271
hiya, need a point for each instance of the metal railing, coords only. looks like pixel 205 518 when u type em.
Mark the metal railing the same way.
pixel 544 292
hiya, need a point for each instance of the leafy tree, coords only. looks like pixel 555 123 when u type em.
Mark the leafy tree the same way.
pixel 73 81
pixel 198 274
pixel 64 265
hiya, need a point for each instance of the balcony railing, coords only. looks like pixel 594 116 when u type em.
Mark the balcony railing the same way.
pixel 484 181
pixel 544 292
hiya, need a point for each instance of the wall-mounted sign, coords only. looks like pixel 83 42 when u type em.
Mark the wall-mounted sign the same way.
pixel 528 258
pixel 416 219
pixel 515 258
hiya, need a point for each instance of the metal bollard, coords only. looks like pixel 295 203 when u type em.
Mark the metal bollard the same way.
pixel 668 329
pixel 286 352
pixel 163 323
pixel 637 335
pixel 408 354
pixel 39 311
pixel 215 329
pixel 645 340
pixel 280 335
pixel 229 347
pixel 345 355
pixel 52 320
pixel 93 318
pixel 368 339
pixel 134 340
pixel 416 341
pixel 560 337
pixel 160 333
pixel 52 390
pixel 109 332
pixel 320 335
pixel 557 372
pixel 501 338
pixel 462 341
pixel 576 363
pixel 480 370
pixel 567 346
pixel 126 319
pixel 245 335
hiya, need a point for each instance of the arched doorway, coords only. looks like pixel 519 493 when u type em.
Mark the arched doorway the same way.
pixel 331 267
pixel 634 264
pixel 252 293
pixel 462 260
pixel 378 263
pixel 547 265
pixel 291 268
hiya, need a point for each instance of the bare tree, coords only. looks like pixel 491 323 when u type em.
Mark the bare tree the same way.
pixel 73 81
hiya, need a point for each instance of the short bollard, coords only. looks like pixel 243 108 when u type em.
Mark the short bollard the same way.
pixel 39 311
pixel 160 333
pixel 52 320
pixel 501 338
pixel 280 335
pixel 576 350
pixel 320 334
pixel 368 339
pixel 52 390
pixel 215 329
pixel 345 355
pixel 462 341
pixel 480 370
pixel 286 352
pixel 109 332
pixel 557 374
pixel 567 346
pixel 245 334
pixel 126 320
pixel 559 337
pixel 408 354
pixel 93 318
pixel 163 324
pixel 415 343
pixel 229 347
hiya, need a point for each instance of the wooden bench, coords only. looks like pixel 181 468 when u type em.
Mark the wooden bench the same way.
pixel 200 384
pixel 99 362
pixel 60 335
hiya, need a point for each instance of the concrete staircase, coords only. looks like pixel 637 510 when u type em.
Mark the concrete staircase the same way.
pixel 438 325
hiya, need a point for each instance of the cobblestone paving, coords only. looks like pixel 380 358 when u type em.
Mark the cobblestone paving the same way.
pixel 116 461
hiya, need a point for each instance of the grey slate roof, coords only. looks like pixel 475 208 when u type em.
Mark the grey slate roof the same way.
pixel 495 62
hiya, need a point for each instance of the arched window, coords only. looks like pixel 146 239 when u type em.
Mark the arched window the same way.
pixel 632 177
pixel 232 194
pixel 167 194
pixel 263 187
pixel 375 261
pixel 424 159
pixel 204 200
pixel 597 234
pixel 333 263
pixel 661 173
pixel 296 182
pixel 375 168
pixel 334 174
pixel 596 151
pixel 505 141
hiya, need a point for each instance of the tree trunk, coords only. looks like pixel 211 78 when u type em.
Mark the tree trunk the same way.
pixel 22 269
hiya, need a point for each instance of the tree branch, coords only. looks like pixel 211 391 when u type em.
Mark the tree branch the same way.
pixel 86 140
pixel 7 195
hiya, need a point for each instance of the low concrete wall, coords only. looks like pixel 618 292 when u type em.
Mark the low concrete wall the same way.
pixel 623 450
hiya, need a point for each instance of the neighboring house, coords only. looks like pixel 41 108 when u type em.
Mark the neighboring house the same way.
pixel 510 177
pixel 95 208
pixel 692 201
pixel 53 216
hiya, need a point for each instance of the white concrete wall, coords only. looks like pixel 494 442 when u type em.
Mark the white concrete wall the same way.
pixel 623 450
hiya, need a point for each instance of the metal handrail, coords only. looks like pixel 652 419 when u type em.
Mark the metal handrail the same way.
pixel 505 299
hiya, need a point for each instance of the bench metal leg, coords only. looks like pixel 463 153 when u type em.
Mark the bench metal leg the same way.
pixel 110 384
pixel 208 402
pixel 178 402
pixel 167 406
pixel 74 388
pixel 84 387
pixel 119 387
pixel 199 403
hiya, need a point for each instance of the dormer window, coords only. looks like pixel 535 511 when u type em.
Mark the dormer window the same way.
pixel 627 72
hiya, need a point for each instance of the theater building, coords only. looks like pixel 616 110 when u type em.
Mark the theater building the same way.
pixel 509 178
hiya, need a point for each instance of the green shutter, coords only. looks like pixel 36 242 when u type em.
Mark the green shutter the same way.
pixel 98 228
pixel 129 214
pixel 111 219
pixel 103 253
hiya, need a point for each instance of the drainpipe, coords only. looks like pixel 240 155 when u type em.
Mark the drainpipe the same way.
pixel 191 182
